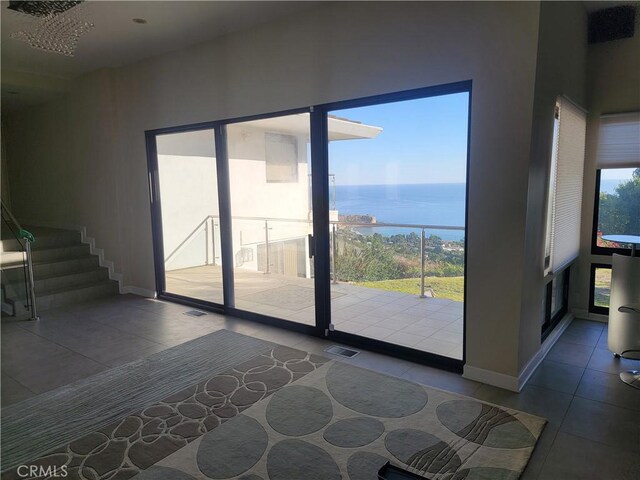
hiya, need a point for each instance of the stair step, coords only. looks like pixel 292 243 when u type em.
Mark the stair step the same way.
pixel 72 295
pixel 45 238
pixel 44 284
pixel 65 272
pixel 15 272
pixel 60 253
pixel 46 255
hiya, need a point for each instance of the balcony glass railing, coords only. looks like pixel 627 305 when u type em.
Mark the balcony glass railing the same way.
pixel 391 256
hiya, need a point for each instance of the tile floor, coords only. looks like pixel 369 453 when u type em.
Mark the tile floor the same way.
pixel 593 431
pixel 428 324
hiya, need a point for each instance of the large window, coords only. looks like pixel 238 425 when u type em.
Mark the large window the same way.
pixel 617 202
pixel 617 209
pixel 398 233
pixel 346 220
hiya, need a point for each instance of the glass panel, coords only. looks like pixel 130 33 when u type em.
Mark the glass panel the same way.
pixel 602 287
pixel 619 205
pixel 269 173
pixel 399 170
pixel 190 222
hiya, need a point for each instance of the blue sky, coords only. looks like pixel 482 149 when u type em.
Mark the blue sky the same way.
pixel 423 141
pixel 616 174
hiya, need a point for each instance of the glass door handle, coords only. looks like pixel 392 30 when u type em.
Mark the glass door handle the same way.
pixel 312 246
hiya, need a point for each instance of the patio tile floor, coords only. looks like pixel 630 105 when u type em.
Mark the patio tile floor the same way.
pixel 429 324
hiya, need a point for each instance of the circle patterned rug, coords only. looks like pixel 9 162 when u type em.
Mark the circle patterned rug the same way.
pixel 344 422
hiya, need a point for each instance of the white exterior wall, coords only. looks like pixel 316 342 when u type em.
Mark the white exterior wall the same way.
pixel 189 194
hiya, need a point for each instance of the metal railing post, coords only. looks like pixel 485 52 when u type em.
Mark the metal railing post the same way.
pixel 422 261
pixel 206 242
pixel 266 245
pixel 213 241
pixel 32 285
pixel 334 250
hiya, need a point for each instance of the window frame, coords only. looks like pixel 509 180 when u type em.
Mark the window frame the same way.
pixel 550 321
pixel 320 185
pixel 595 249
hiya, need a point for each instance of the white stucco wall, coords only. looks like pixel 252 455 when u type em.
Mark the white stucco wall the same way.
pixel 82 159
pixel 189 194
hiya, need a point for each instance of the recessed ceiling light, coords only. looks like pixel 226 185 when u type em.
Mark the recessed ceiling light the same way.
pixel 139 20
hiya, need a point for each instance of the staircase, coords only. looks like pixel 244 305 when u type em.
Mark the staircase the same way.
pixel 64 270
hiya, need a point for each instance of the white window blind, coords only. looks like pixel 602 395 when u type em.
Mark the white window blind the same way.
pixel 567 190
pixel 619 141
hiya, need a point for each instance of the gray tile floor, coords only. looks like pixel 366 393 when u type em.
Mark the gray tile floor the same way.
pixel 593 430
pixel 429 324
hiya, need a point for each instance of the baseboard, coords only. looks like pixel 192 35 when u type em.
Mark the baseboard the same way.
pixel 501 380
pixel 548 343
pixel 510 382
pixel 587 315
pixel 143 292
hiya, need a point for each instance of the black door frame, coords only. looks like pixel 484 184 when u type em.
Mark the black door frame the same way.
pixel 320 204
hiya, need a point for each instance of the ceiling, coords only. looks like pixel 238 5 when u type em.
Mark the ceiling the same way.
pixel 30 76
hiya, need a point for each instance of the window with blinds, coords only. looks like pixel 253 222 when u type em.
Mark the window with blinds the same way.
pixel 619 141
pixel 617 204
pixel 565 188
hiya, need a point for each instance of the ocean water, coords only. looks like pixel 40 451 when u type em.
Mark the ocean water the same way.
pixel 422 204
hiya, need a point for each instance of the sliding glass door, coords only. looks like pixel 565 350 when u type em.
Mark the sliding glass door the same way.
pixel 187 180
pixel 271 217
pixel 364 244
pixel 398 222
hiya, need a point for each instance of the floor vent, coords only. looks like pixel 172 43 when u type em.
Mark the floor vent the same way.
pixel 341 351
pixel 195 313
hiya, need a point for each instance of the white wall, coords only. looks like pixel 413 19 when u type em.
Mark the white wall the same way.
pixel 561 70
pixel 189 193
pixel 613 87
pixel 82 159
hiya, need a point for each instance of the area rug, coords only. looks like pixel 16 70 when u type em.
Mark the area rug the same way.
pixel 33 427
pixel 137 441
pixel 344 422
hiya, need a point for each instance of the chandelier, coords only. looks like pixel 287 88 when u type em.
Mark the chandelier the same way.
pixel 58 25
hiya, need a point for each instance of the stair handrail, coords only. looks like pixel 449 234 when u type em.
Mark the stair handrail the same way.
pixel 25 239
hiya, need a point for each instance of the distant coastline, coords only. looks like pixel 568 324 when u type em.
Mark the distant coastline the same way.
pixel 412 204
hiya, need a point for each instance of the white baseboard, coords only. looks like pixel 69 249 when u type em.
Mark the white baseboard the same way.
pixel 143 292
pixel 490 377
pixel 510 382
pixel 548 343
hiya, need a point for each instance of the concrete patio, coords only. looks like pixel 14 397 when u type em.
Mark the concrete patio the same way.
pixel 430 324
